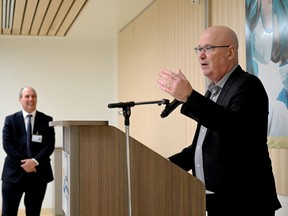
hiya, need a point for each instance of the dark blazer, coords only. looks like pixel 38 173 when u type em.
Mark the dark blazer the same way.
pixel 235 152
pixel 14 144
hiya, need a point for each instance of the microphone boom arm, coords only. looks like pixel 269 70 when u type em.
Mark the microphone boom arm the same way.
pixel 126 106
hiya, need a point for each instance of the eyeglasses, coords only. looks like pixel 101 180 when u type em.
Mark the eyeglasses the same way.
pixel 207 49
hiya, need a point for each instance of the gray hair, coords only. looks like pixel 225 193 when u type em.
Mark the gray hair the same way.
pixel 21 91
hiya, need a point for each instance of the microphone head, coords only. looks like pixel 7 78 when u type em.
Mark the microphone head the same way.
pixel 164 114
pixel 170 107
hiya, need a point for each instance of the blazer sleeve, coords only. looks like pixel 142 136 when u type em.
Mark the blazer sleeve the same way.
pixel 13 135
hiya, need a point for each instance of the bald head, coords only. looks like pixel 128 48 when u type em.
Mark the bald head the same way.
pixel 224 53
pixel 222 35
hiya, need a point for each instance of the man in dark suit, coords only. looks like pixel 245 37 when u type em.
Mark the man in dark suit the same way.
pixel 229 152
pixel 27 169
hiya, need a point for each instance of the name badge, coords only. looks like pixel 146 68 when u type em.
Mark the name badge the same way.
pixel 37 138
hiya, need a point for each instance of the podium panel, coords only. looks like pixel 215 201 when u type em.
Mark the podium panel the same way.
pixel 96 181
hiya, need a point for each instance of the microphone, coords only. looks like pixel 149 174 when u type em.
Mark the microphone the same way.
pixel 121 104
pixel 170 107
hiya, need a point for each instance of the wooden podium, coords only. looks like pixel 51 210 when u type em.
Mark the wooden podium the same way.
pixel 96 181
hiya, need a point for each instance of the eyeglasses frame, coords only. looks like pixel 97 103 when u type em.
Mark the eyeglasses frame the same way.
pixel 199 50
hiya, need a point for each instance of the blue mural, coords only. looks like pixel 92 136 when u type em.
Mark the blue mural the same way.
pixel 267 58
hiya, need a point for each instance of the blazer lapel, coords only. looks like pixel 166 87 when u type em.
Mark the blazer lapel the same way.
pixel 21 121
pixel 228 85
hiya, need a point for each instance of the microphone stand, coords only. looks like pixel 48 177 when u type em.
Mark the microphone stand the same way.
pixel 126 108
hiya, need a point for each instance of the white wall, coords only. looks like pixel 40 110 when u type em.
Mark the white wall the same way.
pixel 74 79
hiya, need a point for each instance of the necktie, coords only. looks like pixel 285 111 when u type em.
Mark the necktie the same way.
pixel 214 92
pixel 29 133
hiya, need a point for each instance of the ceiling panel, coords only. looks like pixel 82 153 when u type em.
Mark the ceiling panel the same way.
pixel 38 17
pixel 75 19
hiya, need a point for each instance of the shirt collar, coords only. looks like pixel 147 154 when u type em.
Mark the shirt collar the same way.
pixel 222 81
pixel 26 113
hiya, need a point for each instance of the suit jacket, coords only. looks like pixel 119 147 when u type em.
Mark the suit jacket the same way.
pixel 235 152
pixel 15 146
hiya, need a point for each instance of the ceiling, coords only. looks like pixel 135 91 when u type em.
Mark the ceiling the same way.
pixel 83 19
